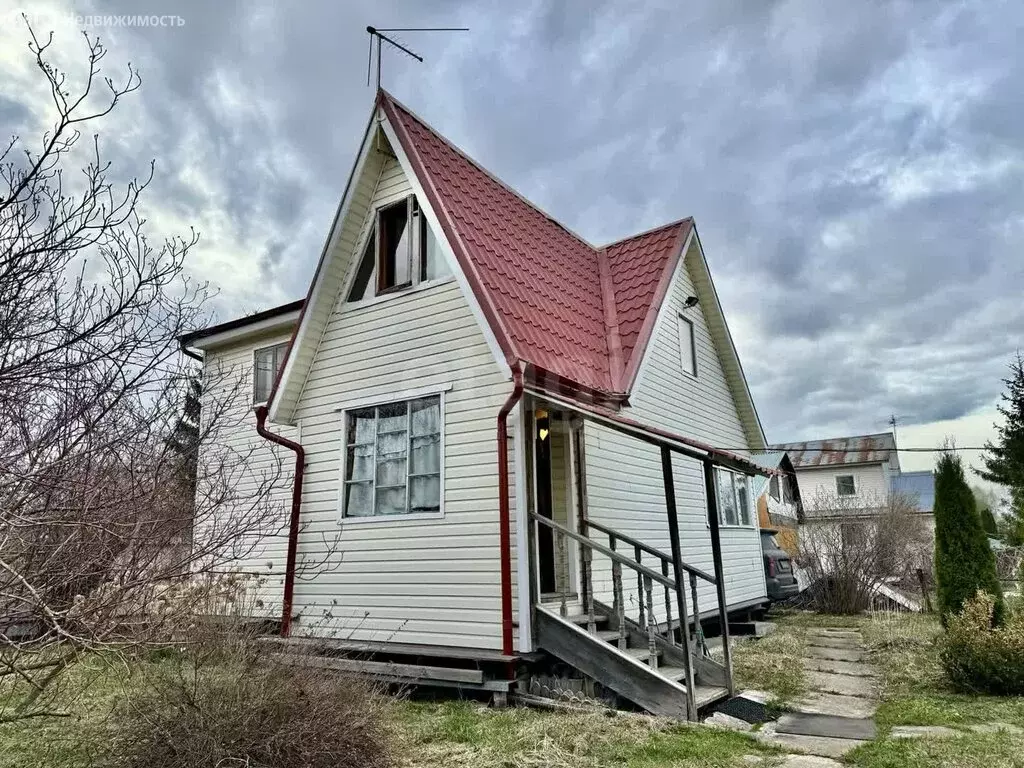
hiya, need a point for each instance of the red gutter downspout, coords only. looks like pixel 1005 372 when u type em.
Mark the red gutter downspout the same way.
pixel 293 523
pixel 504 516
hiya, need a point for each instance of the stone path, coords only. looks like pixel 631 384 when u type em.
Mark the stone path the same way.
pixel 837 714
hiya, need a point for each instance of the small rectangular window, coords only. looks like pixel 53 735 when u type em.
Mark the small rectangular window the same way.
pixel 268 362
pixel 393 458
pixel 733 491
pixel 687 346
pixel 773 488
pixel 845 486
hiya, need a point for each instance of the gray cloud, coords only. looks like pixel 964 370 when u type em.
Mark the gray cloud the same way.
pixel 856 170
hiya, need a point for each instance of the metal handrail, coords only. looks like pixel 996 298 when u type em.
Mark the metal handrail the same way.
pixel 610 553
pixel 649 550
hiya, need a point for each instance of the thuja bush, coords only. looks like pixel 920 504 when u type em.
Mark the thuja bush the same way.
pixel 225 702
pixel 980 658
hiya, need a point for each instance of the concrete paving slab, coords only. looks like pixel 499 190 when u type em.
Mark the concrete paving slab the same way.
pixel 812 745
pixel 722 720
pixel 846 685
pixel 839 654
pixel 822 641
pixel 808 761
pixel 834 704
pixel 836 667
pixel 833 726
pixel 835 632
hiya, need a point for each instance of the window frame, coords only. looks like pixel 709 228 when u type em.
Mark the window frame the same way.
pixel 853 482
pixel 277 369
pixel 687 326
pixel 406 397
pixel 420 233
pixel 752 521
pixel 414 245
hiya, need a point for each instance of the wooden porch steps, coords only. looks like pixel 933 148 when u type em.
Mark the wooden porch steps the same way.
pixel 660 688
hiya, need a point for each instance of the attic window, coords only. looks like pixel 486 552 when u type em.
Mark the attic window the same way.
pixel 401 251
pixel 845 485
pixel 687 346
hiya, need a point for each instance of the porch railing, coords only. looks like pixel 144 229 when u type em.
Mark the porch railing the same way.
pixel 646 579
pixel 639 549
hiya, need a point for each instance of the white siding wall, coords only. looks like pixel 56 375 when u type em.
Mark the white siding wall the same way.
pixel 263 470
pixel 431 581
pixel 870 480
pixel 624 479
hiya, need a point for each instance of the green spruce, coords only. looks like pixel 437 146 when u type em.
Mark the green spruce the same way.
pixel 1004 458
pixel 964 563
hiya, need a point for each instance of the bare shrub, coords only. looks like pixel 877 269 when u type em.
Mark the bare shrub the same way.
pixel 851 548
pixel 222 700
pixel 103 502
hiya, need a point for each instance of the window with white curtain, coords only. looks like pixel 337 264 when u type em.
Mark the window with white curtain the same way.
pixel 734 507
pixel 393 458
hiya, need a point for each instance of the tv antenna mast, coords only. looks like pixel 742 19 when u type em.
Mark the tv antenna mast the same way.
pixel 893 422
pixel 380 37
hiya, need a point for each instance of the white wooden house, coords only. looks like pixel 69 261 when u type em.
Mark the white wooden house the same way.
pixel 467 381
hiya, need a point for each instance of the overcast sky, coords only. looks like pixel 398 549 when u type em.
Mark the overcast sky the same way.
pixel 856 170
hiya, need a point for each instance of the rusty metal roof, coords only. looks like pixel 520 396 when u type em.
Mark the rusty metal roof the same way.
pixel 836 451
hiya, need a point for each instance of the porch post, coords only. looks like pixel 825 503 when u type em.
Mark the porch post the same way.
pixel 677 569
pixel 716 552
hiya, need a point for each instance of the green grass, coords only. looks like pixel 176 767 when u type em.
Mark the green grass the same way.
pixel 88 692
pixel 988 750
pixel 463 734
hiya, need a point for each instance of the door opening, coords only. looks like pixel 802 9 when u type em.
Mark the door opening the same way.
pixel 545 536
pixel 556 562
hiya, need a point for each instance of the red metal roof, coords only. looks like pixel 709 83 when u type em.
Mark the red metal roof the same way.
pixel 541 285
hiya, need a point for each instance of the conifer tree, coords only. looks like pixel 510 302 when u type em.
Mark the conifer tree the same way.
pixel 1004 458
pixel 964 563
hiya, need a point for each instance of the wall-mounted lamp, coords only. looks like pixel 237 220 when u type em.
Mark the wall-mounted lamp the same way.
pixel 543 423
pixel 691 301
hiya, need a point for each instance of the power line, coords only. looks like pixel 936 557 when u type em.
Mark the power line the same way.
pixel 869 450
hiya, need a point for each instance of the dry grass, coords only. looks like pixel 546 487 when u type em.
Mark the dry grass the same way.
pixel 905 649
pixel 427 735
pixel 773 664
pixel 463 734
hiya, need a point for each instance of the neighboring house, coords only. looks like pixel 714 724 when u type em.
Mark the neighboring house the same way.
pixel 507 437
pixel 843 475
pixel 779 505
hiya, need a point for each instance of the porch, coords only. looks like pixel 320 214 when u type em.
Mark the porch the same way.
pixel 624 613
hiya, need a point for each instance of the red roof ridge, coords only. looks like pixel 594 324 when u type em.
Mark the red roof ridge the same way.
pixel 651 231
pixel 387 94
pixel 611 321
pixel 554 301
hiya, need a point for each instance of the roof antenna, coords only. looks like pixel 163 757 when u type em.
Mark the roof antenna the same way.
pixel 893 422
pixel 378 34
